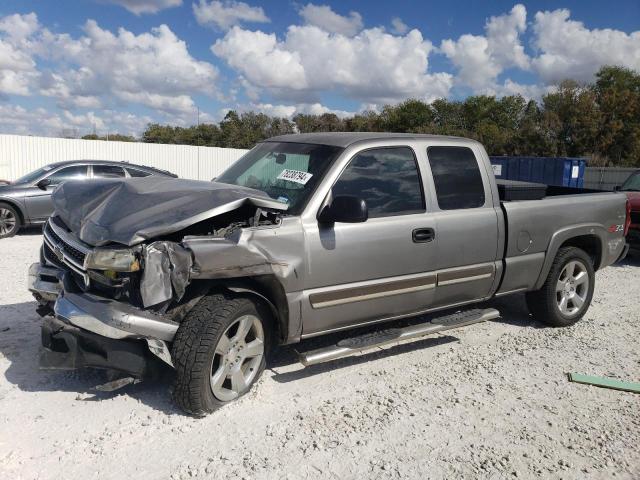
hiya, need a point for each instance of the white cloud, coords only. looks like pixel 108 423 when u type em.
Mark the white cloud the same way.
pixel 372 66
pixel 398 26
pixel 323 17
pixel 39 121
pixel 153 69
pixel 18 71
pixel 225 14
pixel 570 50
pixel 288 111
pixel 480 59
pixel 139 7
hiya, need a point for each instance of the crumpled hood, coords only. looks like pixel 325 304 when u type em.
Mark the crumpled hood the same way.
pixel 133 210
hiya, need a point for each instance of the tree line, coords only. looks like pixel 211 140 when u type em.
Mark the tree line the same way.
pixel 600 121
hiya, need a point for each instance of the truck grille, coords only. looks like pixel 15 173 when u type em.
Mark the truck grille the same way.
pixel 62 249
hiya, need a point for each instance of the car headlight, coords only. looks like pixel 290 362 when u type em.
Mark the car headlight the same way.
pixel 119 260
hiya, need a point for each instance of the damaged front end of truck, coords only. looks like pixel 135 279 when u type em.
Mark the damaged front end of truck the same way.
pixel 123 262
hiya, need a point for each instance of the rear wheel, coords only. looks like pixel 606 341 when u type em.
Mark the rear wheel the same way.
pixel 9 220
pixel 219 352
pixel 566 293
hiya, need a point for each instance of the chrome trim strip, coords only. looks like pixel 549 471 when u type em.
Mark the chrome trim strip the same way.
pixel 372 291
pixel 464 279
pixel 471 273
pixel 371 296
pixel 401 285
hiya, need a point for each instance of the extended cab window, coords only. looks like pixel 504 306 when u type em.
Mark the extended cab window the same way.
pixel 457 177
pixel 386 178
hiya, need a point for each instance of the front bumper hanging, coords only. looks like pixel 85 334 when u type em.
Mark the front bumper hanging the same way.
pixel 92 331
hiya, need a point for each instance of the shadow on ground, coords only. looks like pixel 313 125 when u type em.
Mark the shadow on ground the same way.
pixel 20 345
pixel 513 311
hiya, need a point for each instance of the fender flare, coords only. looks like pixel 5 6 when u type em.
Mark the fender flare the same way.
pixel 281 323
pixel 567 233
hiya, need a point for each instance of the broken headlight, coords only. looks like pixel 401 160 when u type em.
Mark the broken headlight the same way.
pixel 117 260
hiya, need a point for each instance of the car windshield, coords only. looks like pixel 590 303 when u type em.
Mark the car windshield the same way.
pixel 632 183
pixel 31 177
pixel 287 172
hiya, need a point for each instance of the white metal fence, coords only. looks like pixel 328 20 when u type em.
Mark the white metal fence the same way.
pixel 21 154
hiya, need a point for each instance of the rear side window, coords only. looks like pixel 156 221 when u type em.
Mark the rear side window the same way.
pixel 457 178
pixel 137 173
pixel 387 179
pixel 107 171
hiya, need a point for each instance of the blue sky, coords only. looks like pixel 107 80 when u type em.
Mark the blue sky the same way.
pixel 69 67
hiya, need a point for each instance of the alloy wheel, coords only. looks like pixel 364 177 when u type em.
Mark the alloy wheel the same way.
pixel 237 358
pixel 572 288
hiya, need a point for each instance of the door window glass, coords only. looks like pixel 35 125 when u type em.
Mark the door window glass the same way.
pixel 108 171
pixel 137 173
pixel 76 172
pixel 387 179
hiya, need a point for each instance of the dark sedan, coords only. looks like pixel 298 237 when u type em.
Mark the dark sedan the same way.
pixel 27 201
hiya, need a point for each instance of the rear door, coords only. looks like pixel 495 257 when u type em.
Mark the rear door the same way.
pixel 38 201
pixel 466 224
pixel 359 272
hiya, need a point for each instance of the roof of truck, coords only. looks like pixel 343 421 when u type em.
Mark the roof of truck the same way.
pixel 344 139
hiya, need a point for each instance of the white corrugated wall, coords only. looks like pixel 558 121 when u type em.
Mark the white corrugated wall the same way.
pixel 22 154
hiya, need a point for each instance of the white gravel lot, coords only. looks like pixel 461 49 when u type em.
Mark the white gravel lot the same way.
pixel 487 401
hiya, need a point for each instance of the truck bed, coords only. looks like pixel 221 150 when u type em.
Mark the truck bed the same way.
pixel 534 228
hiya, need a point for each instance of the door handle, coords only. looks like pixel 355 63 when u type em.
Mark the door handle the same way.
pixel 423 235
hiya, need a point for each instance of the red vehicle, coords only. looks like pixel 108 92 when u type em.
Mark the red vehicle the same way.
pixel 632 188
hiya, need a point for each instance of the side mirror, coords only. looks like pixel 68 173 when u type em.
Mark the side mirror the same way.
pixel 43 184
pixel 617 188
pixel 345 209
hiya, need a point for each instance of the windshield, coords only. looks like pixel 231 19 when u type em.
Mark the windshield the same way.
pixel 632 183
pixel 287 172
pixel 31 177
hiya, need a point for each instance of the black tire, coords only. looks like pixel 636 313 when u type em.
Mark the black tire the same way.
pixel 544 303
pixel 194 349
pixel 7 212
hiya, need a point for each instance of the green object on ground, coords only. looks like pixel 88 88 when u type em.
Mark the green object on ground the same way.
pixel 605 382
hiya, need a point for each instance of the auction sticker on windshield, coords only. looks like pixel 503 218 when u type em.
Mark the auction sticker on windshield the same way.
pixel 295 176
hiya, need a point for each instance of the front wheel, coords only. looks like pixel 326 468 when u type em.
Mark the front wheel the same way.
pixel 219 352
pixel 566 293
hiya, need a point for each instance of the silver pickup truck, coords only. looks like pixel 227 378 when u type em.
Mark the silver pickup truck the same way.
pixel 306 235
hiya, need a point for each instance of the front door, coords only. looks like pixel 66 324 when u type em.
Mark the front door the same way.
pixel 38 201
pixel 381 268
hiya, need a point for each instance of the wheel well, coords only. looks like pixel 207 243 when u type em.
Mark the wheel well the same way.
pixel 590 244
pixel 268 290
pixel 16 207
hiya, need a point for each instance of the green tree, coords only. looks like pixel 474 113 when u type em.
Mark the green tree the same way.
pixel 617 91
pixel 326 122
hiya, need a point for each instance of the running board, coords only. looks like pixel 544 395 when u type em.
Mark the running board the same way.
pixel 351 346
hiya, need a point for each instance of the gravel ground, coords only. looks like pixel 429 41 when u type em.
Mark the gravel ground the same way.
pixel 488 401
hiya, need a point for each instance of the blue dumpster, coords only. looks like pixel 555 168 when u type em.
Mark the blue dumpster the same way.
pixel 561 171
